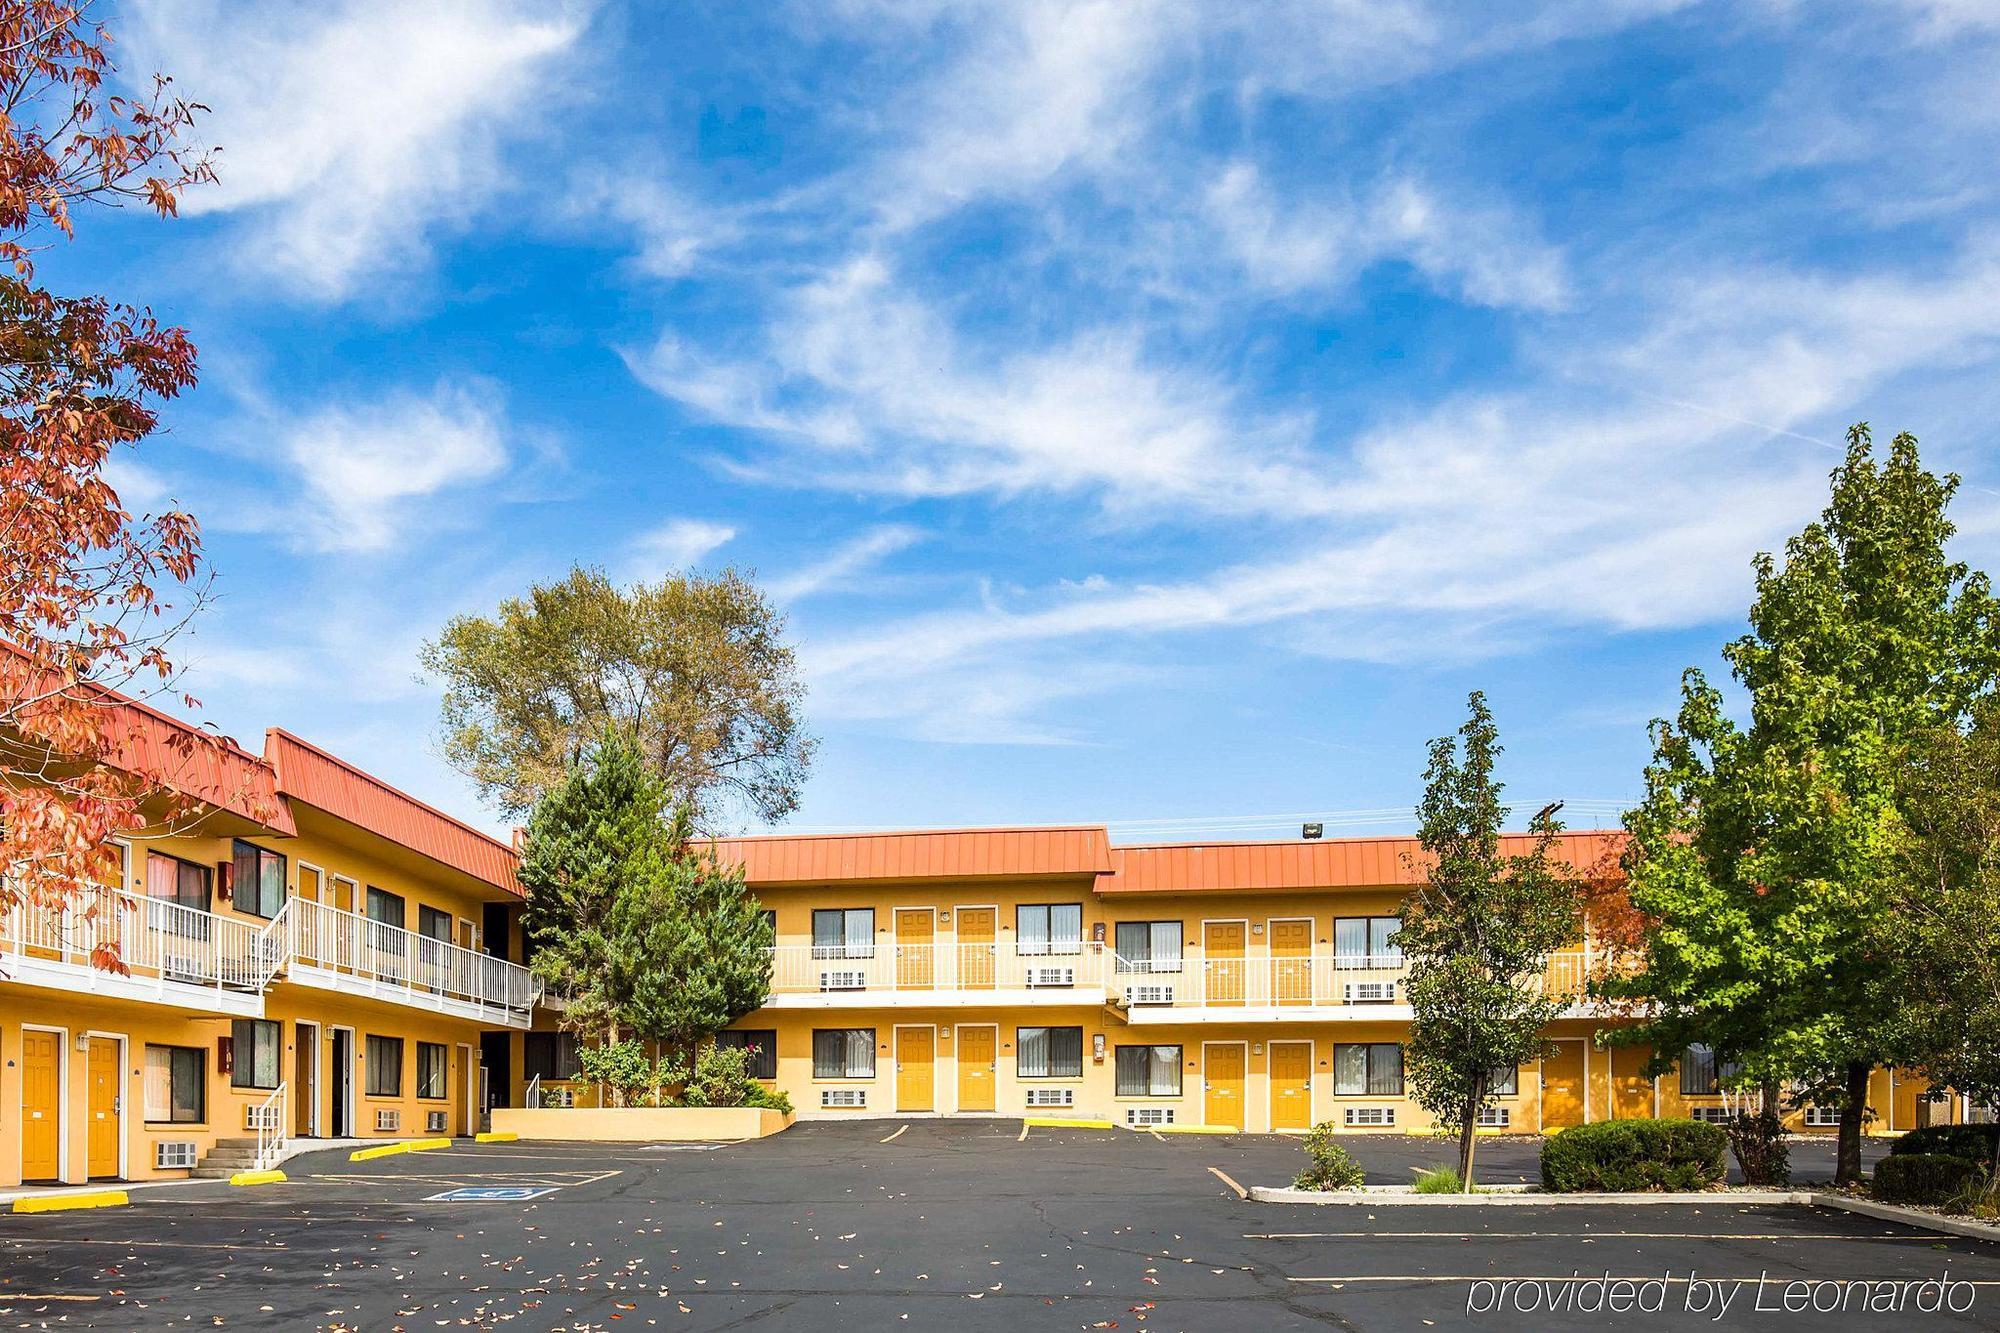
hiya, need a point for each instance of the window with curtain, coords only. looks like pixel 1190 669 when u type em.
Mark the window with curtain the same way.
pixel 843 932
pixel 385 1066
pixel 1367 941
pixel 258 1049
pixel 1055 928
pixel 844 1053
pixel 1504 1081
pixel 1368 1069
pixel 550 1056
pixel 385 907
pixel 1148 1071
pixel 176 1085
pixel 257 879
pixel 434 924
pixel 1048 1052
pixel 1147 946
pixel 433 1069
pixel 173 880
pixel 762 1043
pixel 1702 1075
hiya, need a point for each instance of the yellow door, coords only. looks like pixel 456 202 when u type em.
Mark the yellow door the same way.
pixel 914 930
pixel 305 1076
pixel 104 1128
pixel 41 1106
pixel 1562 1086
pixel 1291 962
pixel 1222 1076
pixel 975 948
pixel 976 1069
pixel 914 1051
pixel 1291 1084
pixel 1631 1090
pixel 1222 948
pixel 1903 1102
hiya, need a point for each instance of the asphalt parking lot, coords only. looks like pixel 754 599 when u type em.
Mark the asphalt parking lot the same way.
pixel 940 1224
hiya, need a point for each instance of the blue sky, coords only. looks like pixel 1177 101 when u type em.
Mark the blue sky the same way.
pixel 1144 411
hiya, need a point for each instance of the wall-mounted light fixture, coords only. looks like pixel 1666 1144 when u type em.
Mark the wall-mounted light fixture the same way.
pixel 1097 1047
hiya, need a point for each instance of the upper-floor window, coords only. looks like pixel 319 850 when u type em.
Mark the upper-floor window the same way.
pixel 1051 928
pixel 257 879
pixel 173 880
pixel 1147 946
pixel 844 932
pixel 385 907
pixel 433 923
pixel 1367 941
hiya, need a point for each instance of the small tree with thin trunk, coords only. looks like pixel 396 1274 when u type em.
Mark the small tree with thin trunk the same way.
pixel 1478 934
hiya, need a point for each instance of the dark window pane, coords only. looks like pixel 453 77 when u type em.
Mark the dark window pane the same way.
pixel 762 1044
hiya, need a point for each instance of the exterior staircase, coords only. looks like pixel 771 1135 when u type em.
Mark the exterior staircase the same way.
pixel 226 1158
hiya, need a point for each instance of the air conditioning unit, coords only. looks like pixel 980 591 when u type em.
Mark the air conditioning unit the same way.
pixel 852 978
pixel 1369 1117
pixel 1711 1115
pixel 434 1122
pixel 1052 976
pixel 386 1120
pixel 1148 994
pixel 1052 1096
pixel 1495 1117
pixel 261 1117
pixel 1371 992
pixel 843 1096
pixel 1149 1115
pixel 175 1156
pixel 1822 1117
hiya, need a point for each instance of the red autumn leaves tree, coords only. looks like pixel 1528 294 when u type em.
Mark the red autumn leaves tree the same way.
pixel 91 595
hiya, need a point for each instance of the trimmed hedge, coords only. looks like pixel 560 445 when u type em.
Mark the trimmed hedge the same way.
pixel 1970 1141
pixel 1931 1179
pixel 1631 1156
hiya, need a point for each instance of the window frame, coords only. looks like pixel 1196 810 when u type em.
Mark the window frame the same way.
pixel 427 915
pixel 765 1053
pixel 1718 1069
pixel 848 946
pixel 1049 946
pixel 243 1052
pixel 1152 1052
pixel 441 1052
pixel 371 1083
pixel 247 892
pixel 850 1043
pixel 375 894
pixel 1051 1071
pixel 173 1053
pixel 1369 1071
pixel 181 864
pixel 559 1044
pixel 1510 1086
pixel 1391 954
pixel 1152 965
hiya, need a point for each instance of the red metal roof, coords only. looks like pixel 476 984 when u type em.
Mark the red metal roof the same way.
pixel 1212 867
pixel 311 776
pixel 927 854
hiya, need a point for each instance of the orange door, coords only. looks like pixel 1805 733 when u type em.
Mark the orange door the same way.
pixel 1291 962
pixel 976 1069
pixel 915 928
pixel 456 1073
pixel 41 1106
pixel 105 1127
pixel 1562 1086
pixel 1222 948
pixel 305 1077
pixel 1631 1090
pixel 1222 1077
pixel 1291 1084
pixel 975 948
pixel 915 1058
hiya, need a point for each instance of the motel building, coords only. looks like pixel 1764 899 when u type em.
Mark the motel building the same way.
pixel 312 956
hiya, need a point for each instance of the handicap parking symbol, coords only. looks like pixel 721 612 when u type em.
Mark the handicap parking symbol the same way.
pixel 492 1194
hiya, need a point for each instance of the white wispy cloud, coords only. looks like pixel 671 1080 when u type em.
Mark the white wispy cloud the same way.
pixel 844 562
pixel 366 465
pixel 675 545
pixel 352 133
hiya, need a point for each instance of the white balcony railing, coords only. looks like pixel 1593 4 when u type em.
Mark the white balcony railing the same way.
pixel 806 969
pixel 153 939
pixel 1262 982
pixel 414 968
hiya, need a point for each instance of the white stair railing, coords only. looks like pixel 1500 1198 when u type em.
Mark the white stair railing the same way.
pixel 273 1122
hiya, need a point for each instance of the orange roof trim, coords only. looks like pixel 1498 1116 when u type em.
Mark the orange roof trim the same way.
pixel 1218 867
pixel 311 776
pixel 930 854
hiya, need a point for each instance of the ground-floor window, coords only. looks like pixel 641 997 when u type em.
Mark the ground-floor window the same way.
pixel 255 1044
pixel 844 1053
pixel 1048 1052
pixel 1702 1075
pixel 1504 1081
pixel 176 1085
pixel 385 1066
pixel 762 1043
pixel 1149 1071
pixel 550 1056
pixel 1368 1069
pixel 433 1069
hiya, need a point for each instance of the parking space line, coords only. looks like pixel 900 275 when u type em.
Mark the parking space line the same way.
pixel 897 1135
pixel 1024 1132
pixel 1580 1235
pixel 1223 1176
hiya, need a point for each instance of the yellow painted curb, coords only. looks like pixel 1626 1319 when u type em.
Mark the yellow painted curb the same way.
pixel 258 1178
pixel 62 1203
pixel 370 1154
pixel 496 1136
pixel 1060 1122
pixel 429 1145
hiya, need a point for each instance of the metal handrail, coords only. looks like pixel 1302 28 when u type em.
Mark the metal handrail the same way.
pixel 272 1118
pixel 803 969
pixel 153 938
pixel 339 941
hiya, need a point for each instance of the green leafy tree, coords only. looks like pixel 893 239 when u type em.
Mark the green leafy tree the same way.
pixel 691 946
pixel 1478 934
pixel 695 669
pixel 1763 856
pixel 1942 940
